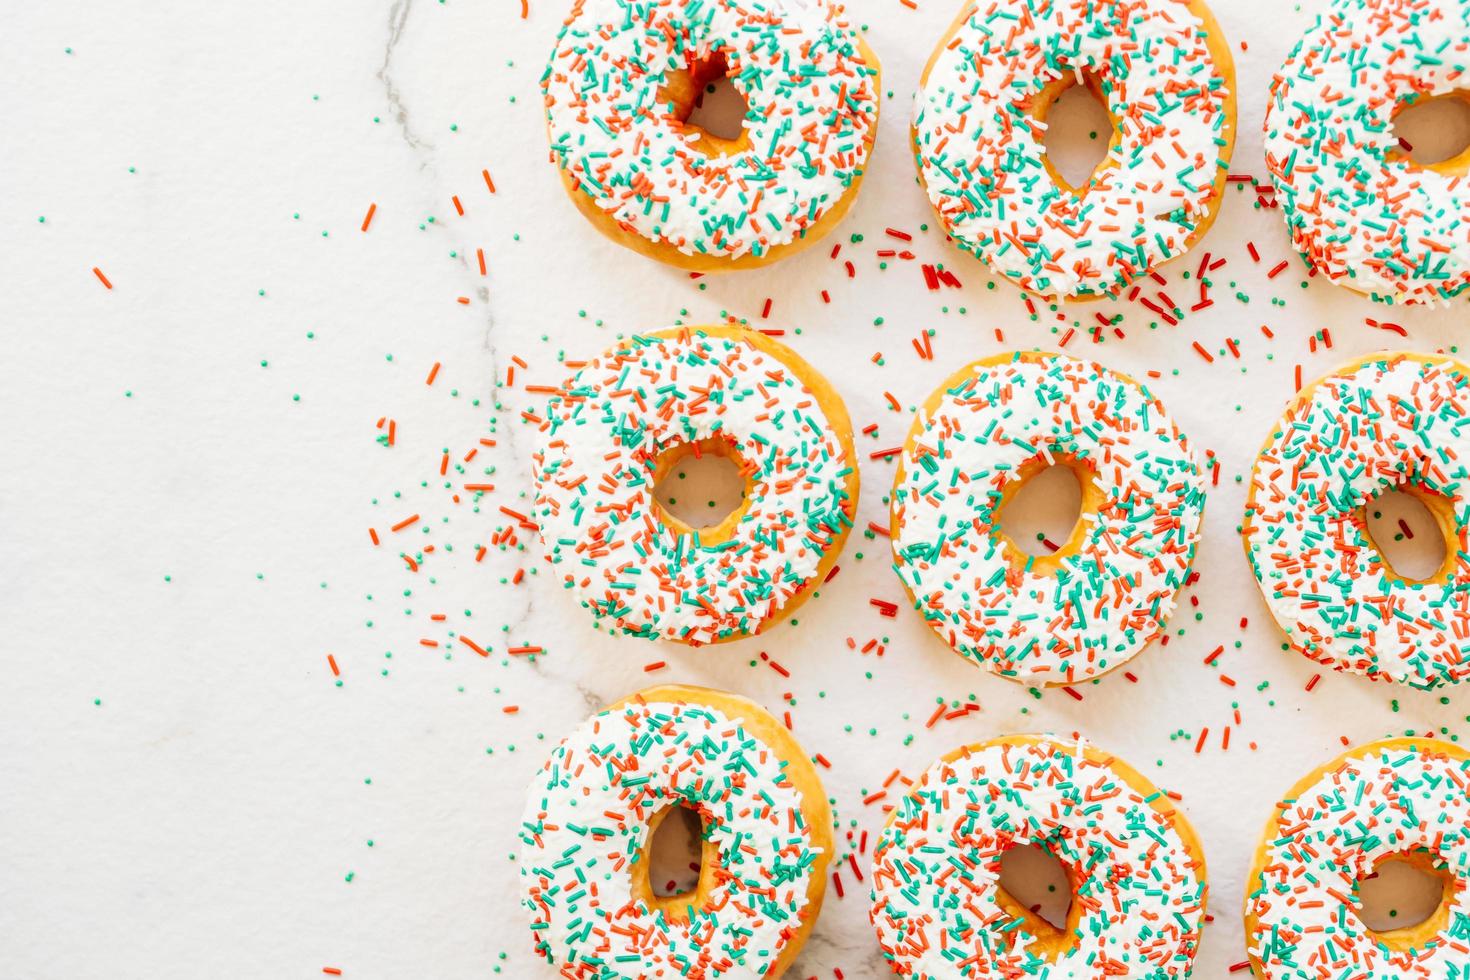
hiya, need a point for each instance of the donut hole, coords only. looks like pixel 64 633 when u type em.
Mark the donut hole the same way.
pixel 1036 880
pixel 1079 130
pixel 1403 891
pixel 707 104
pixel 676 853
pixel 1402 524
pixel 1041 516
pixel 1433 131
pixel 700 486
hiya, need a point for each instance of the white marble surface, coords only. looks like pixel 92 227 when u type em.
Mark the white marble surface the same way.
pixel 184 790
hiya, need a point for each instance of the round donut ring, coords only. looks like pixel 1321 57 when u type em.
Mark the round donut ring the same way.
pixel 1105 593
pixel 623 81
pixel 1404 799
pixel 592 813
pixel 1162 69
pixel 628 417
pixel 1359 209
pixel 1136 865
pixel 1389 421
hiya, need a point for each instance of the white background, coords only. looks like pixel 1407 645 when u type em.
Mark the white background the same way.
pixel 190 554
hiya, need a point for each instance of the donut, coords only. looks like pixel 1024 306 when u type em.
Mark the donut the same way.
pixel 623 81
pixel 1136 867
pixel 1094 603
pixel 1359 210
pixel 628 417
pixel 1162 69
pixel 590 819
pixel 1389 421
pixel 1394 799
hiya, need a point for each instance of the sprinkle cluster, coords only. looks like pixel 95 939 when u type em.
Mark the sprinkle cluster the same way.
pixel 1359 210
pixel 937 865
pixel 812 118
pixel 980 148
pixel 586 822
pixel 1380 423
pixel 1375 801
pixel 601 438
pixel 1105 602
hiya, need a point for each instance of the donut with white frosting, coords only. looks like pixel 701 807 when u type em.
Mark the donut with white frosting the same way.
pixel 628 416
pixel 1359 209
pixel 1097 600
pixel 1136 867
pixel 626 76
pixel 594 807
pixel 1388 422
pixel 1162 69
pixel 1404 799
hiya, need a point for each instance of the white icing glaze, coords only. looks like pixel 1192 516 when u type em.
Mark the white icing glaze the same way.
pixel 937 864
pixel 1357 208
pixel 1388 800
pixel 1366 429
pixel 586 821
pixel 602 528
pixel 980 149
pixel 813 114
pixel 1108 600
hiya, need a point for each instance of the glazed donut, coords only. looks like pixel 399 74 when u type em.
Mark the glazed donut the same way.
pixel 1359 210
pixel 590 821
pixel 630 415
pixel 623 81
pixel 1163 70
pixel 1098 600
pixel 1136 867
pixel 1395 799
pixel 1390 421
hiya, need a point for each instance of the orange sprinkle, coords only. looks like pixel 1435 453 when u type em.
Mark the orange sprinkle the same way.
pixel 433 373
pixel 488 182
pixel 511 709
pixel 519 651
pixel 331 971
pixel 473 645
pixel 405 522
pixel 462 300
pixel 373 533
pixel 332 662
pixel 457 206
pixel 656 665
pixel 98 273
pixel 368 218
pixel 480 252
